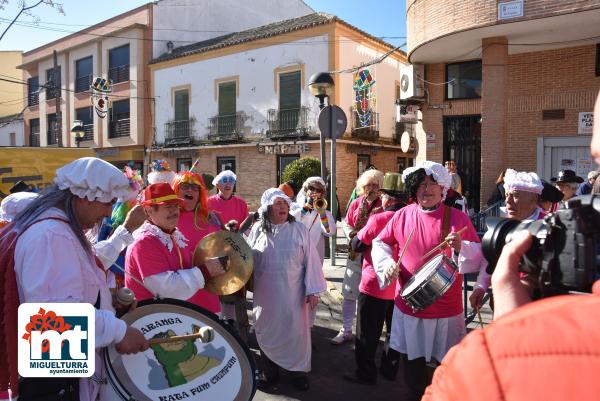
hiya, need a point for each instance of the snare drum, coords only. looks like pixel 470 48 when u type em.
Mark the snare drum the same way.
pixel 222 369
pixel 430 282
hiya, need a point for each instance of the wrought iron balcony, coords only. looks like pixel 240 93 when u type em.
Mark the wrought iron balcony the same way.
pixel 119 74
pixel 179 133
pixel 88 130
pixel 33 98
pixel 52 136
pixel 288 123
pixel 34 139
pixel 119 128
pixel 225 128
pixel 365 128
pixel 83 83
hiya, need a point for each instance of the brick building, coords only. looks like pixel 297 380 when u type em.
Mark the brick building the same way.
pixel 504 84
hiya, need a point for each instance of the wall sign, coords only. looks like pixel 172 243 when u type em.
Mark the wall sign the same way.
pixel 282 149
pixel 408 114
pixel 361 149
pixel 586 123
pixel 510 9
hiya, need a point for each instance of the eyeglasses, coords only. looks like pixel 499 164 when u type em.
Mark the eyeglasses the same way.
pixel 227 180
pixel 315 189
pixel 423 186
pixel 191 187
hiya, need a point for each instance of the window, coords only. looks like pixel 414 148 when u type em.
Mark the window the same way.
pixel 52 129
pixel 598 60
pixel 289 100
pixel 182 105
pixel 53 88
pixel 227 98
pixel 85 115
pixel 225 163
pixel 34 132
pixel 83 74
pixel 282 163
pixel 33 94
pixel 12 138
pixel 362 162
pixel 463 80
pixel 404 162
pixel 184 164
pixel 118 64
pixel 119 119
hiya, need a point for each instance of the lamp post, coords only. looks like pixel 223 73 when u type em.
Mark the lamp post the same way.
pixel 321 86
pixel 77 131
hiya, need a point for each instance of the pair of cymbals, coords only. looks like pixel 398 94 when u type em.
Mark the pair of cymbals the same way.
pixel 231 248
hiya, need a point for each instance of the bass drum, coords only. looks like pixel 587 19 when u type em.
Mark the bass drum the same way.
pixel 222 369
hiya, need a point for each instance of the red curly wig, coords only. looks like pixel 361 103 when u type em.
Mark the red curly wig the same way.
pixel 188 177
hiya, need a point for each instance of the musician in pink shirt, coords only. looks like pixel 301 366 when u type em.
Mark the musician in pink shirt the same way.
pixel 225 204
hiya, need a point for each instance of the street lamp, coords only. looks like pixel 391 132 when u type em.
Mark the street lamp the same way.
pixel 78 131
pixel 321 86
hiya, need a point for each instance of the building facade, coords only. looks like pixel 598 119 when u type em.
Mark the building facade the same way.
pixel 119 49
pixel 11 99
pixel 241 101
pixel 504 84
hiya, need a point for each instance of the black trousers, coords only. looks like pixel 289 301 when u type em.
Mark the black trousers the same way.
pixel 372 314
pixel 417 375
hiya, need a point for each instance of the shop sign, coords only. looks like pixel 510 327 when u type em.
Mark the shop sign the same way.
pixel 361 149
pixel 586 123
pixel 283 149
pixel 510 9
pixel 408 114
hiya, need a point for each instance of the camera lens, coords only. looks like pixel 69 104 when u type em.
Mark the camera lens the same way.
pixel 498 229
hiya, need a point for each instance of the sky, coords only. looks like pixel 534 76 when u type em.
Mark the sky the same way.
pixel 381 18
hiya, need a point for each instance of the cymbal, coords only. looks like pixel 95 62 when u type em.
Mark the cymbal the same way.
pixel 238 266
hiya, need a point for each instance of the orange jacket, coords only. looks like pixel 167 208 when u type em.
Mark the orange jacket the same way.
pixel 545 350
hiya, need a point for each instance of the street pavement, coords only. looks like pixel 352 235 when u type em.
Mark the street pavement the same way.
pixel 330 362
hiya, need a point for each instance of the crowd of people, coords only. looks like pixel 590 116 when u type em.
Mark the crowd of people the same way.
pixel 95 218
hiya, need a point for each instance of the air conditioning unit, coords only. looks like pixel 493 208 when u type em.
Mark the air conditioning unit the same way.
pixel 411 81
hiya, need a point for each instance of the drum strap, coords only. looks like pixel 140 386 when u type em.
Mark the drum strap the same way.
pixel 445 223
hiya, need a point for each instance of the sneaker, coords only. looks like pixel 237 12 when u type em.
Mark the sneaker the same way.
pixel 341 338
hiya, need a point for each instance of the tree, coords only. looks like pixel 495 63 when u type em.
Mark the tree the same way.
pixel 299 170
pixel 27 10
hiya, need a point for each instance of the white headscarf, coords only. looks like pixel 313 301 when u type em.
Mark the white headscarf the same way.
pixel 224 173
pixel 522 181
pixel 93 179
pixel 268 198
pixel 301 197
pixel 15 203
pixel 439 173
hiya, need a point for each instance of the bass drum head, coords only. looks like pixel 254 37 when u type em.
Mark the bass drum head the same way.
pixel 222 369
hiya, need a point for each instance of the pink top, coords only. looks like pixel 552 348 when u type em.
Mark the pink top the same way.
pixel 428 227
pixel 148 256
pixel 234 208
pixel 194 236
pixel 354 210
pixel 368 282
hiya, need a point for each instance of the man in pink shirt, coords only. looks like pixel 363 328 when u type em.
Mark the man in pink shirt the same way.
pixel 159 258
pixel 375 306
pixel 225 204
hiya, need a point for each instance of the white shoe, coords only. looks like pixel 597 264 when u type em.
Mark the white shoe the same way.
pixel 341 338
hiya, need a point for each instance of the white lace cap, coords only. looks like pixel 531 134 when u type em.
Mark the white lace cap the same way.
pixel 522 181
pixel 268 198
pixel 14 204
pixel 158 177
pixel 93 179
pixel 224 173
pixel 314 179
pixel 439 173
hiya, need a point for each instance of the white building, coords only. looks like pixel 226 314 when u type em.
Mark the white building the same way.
pixel 11 130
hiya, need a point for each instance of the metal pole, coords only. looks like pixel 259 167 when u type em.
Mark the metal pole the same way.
pixel 332 190
pixel 57 91
pixel 322 143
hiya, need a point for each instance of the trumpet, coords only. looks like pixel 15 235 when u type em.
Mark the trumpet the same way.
pixel 320 204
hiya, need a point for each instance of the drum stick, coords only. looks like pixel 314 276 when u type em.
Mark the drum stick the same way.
pixel 397 265
pixel 441 245
pixel 205 334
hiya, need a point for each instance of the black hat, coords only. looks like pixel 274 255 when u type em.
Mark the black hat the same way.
pixel 567 176
pixel 19 186
pixel 550 193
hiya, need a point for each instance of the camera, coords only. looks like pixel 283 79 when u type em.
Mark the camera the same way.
pixel 563 253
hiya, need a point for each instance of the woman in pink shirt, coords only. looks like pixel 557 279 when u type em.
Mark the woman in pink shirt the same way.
pixel 225 204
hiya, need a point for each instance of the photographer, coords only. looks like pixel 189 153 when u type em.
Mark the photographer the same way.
pixel 546 349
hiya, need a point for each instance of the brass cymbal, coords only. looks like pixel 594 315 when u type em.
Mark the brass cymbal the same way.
pixel 239 261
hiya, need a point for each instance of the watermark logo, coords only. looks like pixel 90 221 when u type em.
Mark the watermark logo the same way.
pixel 56 340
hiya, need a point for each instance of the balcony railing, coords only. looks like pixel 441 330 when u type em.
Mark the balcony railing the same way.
pixel 119 128
pixel 88 130
pixel 119 74
pixel 225 128
pixel 370 130
pixel 52 92
pixel 83 83
pixel 34 139
pixel 33 98
pixel 288 123
pixel 179 133
pixel 53 136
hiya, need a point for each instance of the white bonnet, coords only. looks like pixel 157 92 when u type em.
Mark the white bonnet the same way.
pixel 268 198
pixel 439 173
pixel 94 179
pixel 15 203
pixel 522 181
pixel 224 173
pixel 161 177
pixel 313 179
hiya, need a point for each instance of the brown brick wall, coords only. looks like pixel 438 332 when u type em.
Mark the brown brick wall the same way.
pixel 430 19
